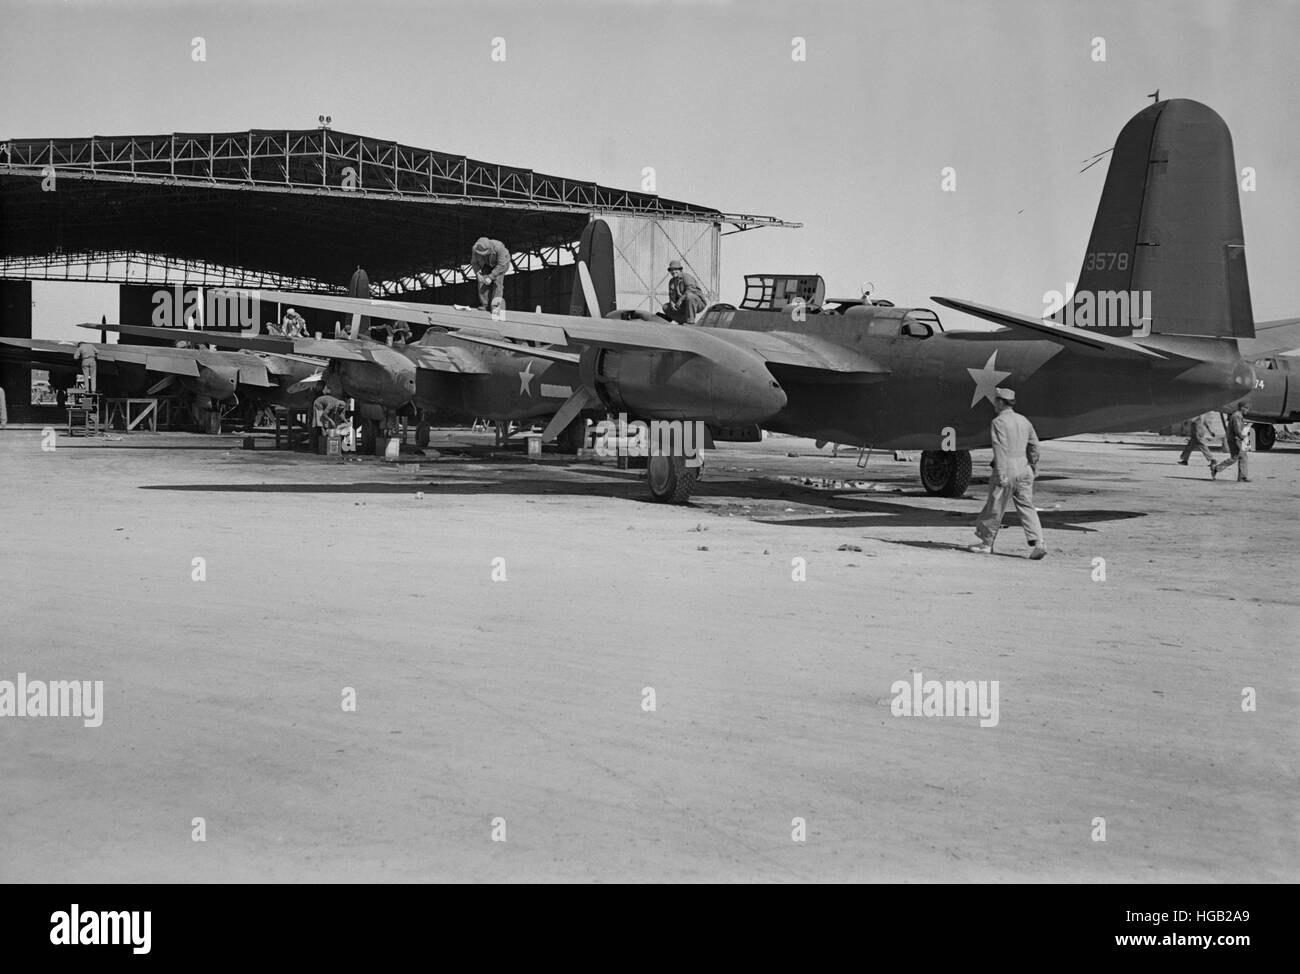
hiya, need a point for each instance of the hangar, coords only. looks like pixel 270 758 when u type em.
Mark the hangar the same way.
pixel 302 209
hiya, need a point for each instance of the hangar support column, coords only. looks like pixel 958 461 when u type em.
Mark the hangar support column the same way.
pixel 16 322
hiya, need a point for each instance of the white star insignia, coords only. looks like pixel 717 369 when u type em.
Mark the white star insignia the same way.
pixel 526 380
pixel 986 379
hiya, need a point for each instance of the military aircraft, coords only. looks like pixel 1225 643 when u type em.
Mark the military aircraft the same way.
pixel 1273 401
pixel 210 379
pixel 1149 337
pixel 478 375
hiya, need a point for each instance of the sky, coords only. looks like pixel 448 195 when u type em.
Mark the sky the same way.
pixel 852 141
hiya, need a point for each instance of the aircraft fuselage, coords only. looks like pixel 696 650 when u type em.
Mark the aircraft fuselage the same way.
pixel 517 386
pixel 939 390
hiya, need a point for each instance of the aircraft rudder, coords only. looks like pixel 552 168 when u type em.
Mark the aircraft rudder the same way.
pixel 1166 253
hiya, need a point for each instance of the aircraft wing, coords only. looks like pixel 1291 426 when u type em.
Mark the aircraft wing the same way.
pixel 1061 334
pixel 809 352
pixel 338 348
pixel 552 354
pixel 253 372
pixel 778 348
pixel 278 364
pixel 438 358
pixel 38 351
pixel 173 361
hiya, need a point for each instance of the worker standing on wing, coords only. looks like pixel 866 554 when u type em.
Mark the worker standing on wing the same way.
pixel 490 262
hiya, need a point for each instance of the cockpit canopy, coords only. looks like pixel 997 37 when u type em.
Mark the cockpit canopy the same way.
pixel 891 322
pixel 767 294
pixel 776 292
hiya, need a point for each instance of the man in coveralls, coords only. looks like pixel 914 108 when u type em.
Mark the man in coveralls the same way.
pixel 1237 433
pixel 1015 462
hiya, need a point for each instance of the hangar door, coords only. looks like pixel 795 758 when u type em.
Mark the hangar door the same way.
pixel 642 249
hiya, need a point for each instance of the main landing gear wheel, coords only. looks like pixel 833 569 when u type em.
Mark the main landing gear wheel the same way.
pixel 368 441
pixel 1265 436
pixel 945 473
pixel 573 437
pixel 671 480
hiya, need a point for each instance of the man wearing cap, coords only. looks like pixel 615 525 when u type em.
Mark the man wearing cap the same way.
pixel 685 296
pixel 1015 462
pixel 294 325
pixel 1237 431
pixel 490 261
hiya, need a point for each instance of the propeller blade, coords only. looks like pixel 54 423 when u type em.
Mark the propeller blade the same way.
pixel 589 290
pixel 160 385
pixel 575 404
pixel 302 385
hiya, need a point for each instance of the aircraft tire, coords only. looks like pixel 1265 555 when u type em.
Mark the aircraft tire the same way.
pixel 670 480
pixel 369 438
pixel 1265 436
pixel 945 473
pixel 422 433
pixel 572 437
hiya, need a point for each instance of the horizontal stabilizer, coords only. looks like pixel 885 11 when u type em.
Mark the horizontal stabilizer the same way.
pixel 1061 334
pixel 1271 338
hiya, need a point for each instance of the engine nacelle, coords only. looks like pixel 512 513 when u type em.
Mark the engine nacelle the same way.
pixel 722 384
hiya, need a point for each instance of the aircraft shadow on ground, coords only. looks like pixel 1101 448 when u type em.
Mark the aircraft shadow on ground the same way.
pixel 64 444
pixel 880 515
pixel 1018 550
pixel 1281 446
pixel 623 485
pixel 632 490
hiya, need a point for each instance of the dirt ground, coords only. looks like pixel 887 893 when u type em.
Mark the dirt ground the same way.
pixel 520 707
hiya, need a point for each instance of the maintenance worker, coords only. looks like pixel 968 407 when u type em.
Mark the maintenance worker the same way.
pixel 490 262
pixel 294 325
pixel 328 413
pixel 1236 432
pixel 86 354
pixel 1015 464
pixel 1198 438
pixel 685 296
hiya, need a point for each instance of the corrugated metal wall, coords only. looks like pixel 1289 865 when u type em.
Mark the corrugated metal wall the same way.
pixel 642 249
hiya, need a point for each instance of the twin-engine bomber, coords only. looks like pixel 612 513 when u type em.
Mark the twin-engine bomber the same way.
pixel 1168 229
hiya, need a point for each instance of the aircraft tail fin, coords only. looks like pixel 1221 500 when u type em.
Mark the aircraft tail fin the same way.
pixel 1166 255
pixel 596 251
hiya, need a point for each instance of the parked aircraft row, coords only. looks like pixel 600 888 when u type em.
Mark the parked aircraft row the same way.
pixel 859 371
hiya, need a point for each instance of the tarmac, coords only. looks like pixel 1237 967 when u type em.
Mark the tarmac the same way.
pixel 646 693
